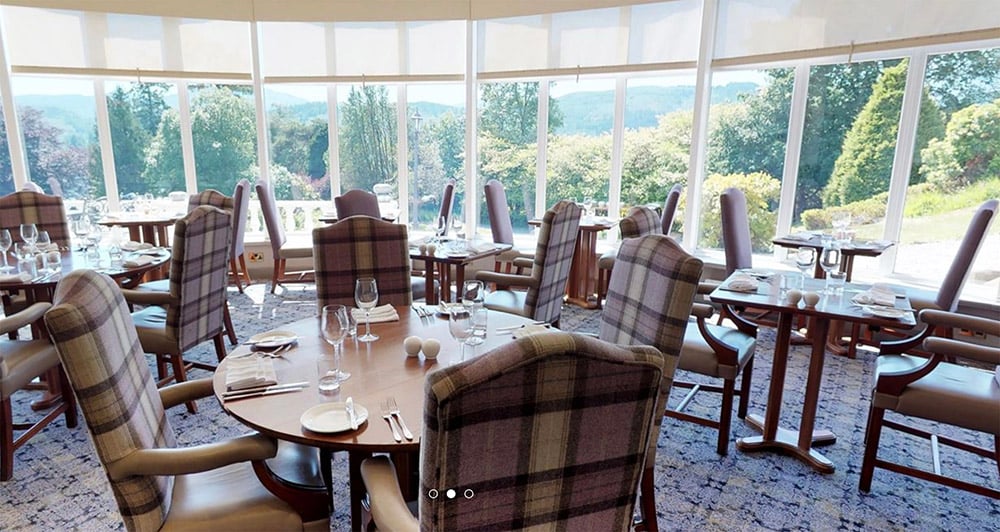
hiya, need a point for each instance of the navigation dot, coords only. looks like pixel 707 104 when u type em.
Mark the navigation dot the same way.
pixel 469 494
pixel 450 493
pixel 433 494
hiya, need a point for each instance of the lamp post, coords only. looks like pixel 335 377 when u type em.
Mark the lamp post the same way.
pixel 416 165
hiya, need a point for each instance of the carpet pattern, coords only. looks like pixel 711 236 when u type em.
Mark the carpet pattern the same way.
pixel 58 482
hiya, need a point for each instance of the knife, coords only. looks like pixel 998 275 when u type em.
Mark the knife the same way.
pixel 261 393
pixel 261 389
pixel 349 405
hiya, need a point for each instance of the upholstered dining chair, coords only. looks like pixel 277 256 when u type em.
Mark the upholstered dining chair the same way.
pixel 237 254
pixel 639 221
pixel 157 485
pixel 192 311
pixel 498 213
pixel 670 208
pixel 362 246
pixel 932 389
pixel 447 204
pixel 21 361
pixel 566 476
pixel 356 202
pixel 281 248
pixel 546 283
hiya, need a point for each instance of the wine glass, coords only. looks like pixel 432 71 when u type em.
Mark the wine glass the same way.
pixel 473 294
pixel 29 233
pixel 460 326
pixel 82 228
pixel 366 296
pixel 5 243
pixel 804 260
pixel 335 324
pixel 829 259
pixel 43 241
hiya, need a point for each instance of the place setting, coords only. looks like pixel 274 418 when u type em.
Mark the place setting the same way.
pixel 880 300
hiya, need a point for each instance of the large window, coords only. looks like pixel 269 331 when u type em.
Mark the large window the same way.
pixel 436 138
pixel 367 133
pixel 298 125
pixel 145 138
pixel 224 131
pixel 6 173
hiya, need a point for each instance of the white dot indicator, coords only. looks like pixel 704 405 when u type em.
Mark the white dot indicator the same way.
pixel 433 494
pixel 469 494
pixel 450 493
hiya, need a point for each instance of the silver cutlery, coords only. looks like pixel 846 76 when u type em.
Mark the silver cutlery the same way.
pixel 389 419
pixel 516 327
pixel 260 392
pixel 349 406
pixel 394 410
pixel 277 353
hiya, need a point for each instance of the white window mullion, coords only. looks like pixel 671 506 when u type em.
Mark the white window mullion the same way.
pixel 471 132
pixel 18 163
pixel 617 156
pixel 263 138
pixel 543 146
pixel 402 150
pixel 107 148
pixel 699 126
pixel 793 150
pixel 187 140
pixel 333 141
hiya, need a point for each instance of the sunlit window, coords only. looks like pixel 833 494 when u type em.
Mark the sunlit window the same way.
pixel 224 131
pixel 298 125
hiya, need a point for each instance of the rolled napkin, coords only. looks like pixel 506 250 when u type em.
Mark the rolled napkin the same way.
pixel 15 278
pixel 380 314
pixel 250 372
pixel 132 245
pixel 141 260
pixel 741 282
pixel 879 294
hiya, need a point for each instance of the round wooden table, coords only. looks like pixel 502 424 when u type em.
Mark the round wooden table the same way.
pixel 379 370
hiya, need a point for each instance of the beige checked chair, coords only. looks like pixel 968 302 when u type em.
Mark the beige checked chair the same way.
pixel 356 202
pixel 565 476
pixel 640 221
pixel 21 361
pixel 281 248
pixel 932 389
pixel 157 485
pixel 546 284
pixel 362 246
pixel 192 311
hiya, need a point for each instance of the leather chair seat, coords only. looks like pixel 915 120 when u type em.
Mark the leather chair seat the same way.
pixel 607 259
pixel 418 286
pixel 23 361
pixel 151 325
pixel 509 301
pixel 295 250
pixel 952 394
pixel 699 357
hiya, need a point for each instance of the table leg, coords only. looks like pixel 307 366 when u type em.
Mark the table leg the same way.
pixel 459 280
pixel 354 459
pixel 583 271
pixel 431 296
pixel 444 274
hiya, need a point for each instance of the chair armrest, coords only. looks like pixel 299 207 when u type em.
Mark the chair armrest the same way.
pixel 388 509
pixel 940 318
pixel 506 279
pixel 893 382
pixel 183 461
pixel 524 262
pixel 183 392
pixel 958 348
pixel 701 310
pixel 707 286
pixel 24 318
pixel 149 297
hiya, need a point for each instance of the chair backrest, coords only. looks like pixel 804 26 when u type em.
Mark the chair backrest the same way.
pixel 670 208
pixel 553 257
pixel 517 427
pixel 46 212
pixel 210 197
pixel 272 219
pixel 958 272
pixel 498 212
pixel 241 204
pixel 199 275
pixel 447 202
pixel 736 239
pixel 31 186
pixel 362 246
pixel 650 294
pixel 357 202
pixel 93 333
pixel 640 221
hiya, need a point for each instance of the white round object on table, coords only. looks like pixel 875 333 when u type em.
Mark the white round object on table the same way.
pixel 431 348
pixel 810 299
pixel 412 345
pixel 793 296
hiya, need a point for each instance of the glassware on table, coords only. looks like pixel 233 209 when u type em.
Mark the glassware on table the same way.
pixel 25 253
pixel 460 326
pixel 5 243
pixel 53 261
pixel 588 206
pixel 805 258
pixel 29 233
pixel 366 296
pixel 82 229
pixel 829 260
pixel 473 296
pixel 43 241
pixel 335 324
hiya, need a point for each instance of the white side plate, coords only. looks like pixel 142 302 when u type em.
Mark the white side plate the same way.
pixel 332 417
pixel 273 339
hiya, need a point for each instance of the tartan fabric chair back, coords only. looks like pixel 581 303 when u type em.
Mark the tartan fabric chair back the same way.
pixel 553 257
pixel 356 202
pixel 550 432
pixel 210 197
pixel 92 330
pixel 447 202
pixel 640 221
pixel 199 275
pixel 650 294
pixel 362 246
pixel 670 208
pixel 272 219
pixel 736 239
pixel 46 212
pixel 241 203
pixel 498 212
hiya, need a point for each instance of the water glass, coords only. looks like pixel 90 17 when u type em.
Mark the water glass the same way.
pixel 829 259
pixel 835 282
pixel 53 261
pixel 460 326
pixel 804 260
pixel 29 233
pixel 335 324
pixel 5 243
pixel 366 296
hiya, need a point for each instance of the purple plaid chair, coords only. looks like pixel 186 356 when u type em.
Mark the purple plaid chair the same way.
pixel 281 248
pixel 157 485
pixel 670 208
pixel 552 431
pixel 640 221
pixel 447 204
pixel 362 246
pixel 547 282
pixel 192 311
pixel 503 232
pixel 356 202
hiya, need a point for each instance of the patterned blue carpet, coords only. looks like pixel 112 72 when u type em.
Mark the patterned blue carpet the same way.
pixel 59 485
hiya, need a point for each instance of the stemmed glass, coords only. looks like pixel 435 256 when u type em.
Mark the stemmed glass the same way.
pixel 460 326
pixel 804 260
pixel 335 325
pixel 829 259
pixel 29 233
pixel 82 228
pixel 473 294
pixel 5 243
pixel 366 296
pixel 43 241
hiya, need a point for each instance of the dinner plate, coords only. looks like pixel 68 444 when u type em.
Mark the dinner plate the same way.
pixel 458 254
pixel 273 339
pixel 332 417
pixel 886 312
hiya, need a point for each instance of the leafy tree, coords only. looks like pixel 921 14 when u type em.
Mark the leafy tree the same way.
pixel 969 151
pixel 655 159
pixel 48 157
pixel 293 141
pixel 368 138
pixel 449 134
pixel 864 166
pixel 224 129
pixel 164 171
pixel 960 79
pixel 129 142
pixel 762 192
pixel 510 112
pixel 578 167
pixel 514 166
pixel 148 103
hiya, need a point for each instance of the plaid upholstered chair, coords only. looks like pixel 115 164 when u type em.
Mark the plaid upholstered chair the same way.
pixel 241 204
pixel 639 221
pixel 21 361
pixel 552 431
pixel 157 485
pixel 356 202
pixel 546 283
pixel 192 311
pixel 281 248
pixel 362 246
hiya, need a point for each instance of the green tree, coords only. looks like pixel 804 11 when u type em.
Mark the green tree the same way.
pixel 368 138
pixel 164 170
pixel 762 192
pixel 224 130
pixel 969 150
pixel 960 79
pixel 49 159
pixel 655 159
pixel 578 167
pixel 510 112
pixel 148 103
pixel 449 134
pixel 129 142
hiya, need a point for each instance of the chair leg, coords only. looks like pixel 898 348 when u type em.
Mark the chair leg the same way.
pixel 243 268
pixel 745 389
pixel 180 375
pixel 220 346
pixel 6 440
pixel 872 435
pixel 603 278
pixel 228 320
pixel 726 416
pixel 69 398
pixel 647 501
pixel 279 271
pixel 236 274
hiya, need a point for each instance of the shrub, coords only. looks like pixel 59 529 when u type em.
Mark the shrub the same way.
pixel 762 192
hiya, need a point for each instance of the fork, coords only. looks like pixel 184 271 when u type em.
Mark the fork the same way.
pixel 394 410
pixel 384 406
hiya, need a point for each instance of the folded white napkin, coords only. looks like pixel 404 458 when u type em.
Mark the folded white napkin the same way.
pixel 132 245
pixel 803 236
pixel 741 282
pixel 480 247
pixel 141 260
pixel 380 314
pixel 530 329
pixel 15 278
pixel 878 294
pixel 250 372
